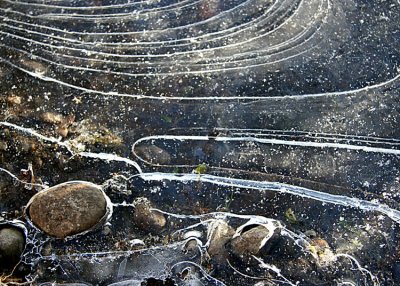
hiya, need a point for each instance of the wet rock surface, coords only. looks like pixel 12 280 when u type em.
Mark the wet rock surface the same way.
pixel 68 209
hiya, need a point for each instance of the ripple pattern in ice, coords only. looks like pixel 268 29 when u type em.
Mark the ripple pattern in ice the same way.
pixel 193 47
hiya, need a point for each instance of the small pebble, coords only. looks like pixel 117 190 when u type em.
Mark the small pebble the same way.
pixel 14 100
pixel 3 146
pixel 191 247
pixel 249 242
pixel 322 250
pixel 219 233
pixel 320 244
pixel 34 66
pixel 311 233
pixel 62 131
pixel 51 117
pixel 146 218
pixel 27 146
pixel 106 231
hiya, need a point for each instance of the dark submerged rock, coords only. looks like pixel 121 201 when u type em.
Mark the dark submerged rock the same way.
pixel 153 154
pixel 68 209
pixel 12 245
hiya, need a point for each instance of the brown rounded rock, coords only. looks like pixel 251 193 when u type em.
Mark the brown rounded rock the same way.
pixel 68 209
pixel 146 218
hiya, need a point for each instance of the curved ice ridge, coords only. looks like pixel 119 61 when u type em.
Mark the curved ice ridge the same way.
pixel 281 188
pixel 386 84
pixel 275 141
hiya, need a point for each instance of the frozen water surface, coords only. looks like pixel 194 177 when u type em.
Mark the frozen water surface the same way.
pixel 240 142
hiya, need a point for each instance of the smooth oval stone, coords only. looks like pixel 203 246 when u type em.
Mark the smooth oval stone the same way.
pixel 68 209
pixel 12 244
